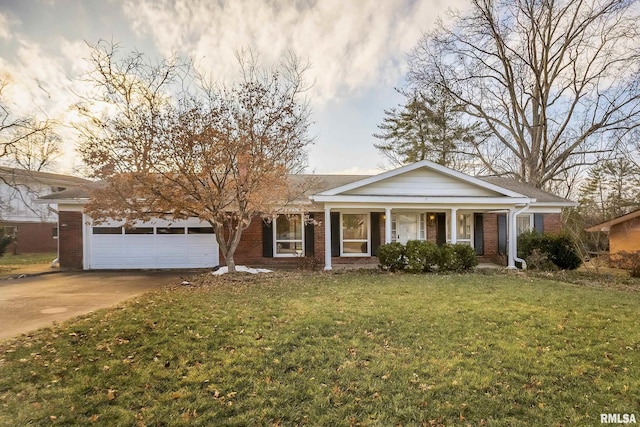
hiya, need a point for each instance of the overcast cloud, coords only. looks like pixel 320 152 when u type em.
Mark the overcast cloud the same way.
pixel 356 49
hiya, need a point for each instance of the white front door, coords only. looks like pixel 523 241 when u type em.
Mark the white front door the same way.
pixel 406 228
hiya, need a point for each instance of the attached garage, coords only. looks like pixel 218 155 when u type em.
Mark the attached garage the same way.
pixel 154 245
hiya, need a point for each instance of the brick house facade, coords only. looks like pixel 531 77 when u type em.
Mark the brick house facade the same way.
pixel 343 220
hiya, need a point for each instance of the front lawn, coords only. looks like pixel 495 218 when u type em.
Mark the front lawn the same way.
pixel 336 349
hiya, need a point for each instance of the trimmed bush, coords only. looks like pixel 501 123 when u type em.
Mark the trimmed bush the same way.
pixel 458 257
pixel 466 257
pixel 391 256
pixel 421 256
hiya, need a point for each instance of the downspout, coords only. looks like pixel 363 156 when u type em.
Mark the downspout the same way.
pixel 513 238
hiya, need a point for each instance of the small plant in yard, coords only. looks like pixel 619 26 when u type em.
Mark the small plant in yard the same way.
pixel 391 256
pixel 421 255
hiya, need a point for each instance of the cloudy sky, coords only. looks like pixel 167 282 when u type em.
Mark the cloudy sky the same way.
pixel 356 48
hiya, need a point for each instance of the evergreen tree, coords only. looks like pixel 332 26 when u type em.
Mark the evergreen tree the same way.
pixel 426 127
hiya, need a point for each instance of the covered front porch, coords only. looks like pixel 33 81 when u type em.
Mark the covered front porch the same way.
pixel 352 232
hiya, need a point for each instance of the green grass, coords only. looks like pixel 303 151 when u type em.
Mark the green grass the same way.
pixel 27 259
pixel 336 349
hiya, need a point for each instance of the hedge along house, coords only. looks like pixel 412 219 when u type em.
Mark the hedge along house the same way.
pixel 344 219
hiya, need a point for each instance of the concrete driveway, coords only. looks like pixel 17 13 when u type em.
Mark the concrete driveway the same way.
pixel 35 302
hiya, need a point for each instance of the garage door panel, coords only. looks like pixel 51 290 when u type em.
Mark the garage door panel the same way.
pixel 140 251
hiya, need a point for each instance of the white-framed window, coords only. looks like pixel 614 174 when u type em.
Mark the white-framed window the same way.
pixel 524 223
pixel 464 228
pixel 354 234
pixel 422 231
pixel 288 236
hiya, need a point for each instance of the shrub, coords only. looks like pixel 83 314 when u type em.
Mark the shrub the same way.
pixel 562 251
pixel 466 257
pixel 5 241
pixel 558 248
pixel 391 256
pixel 538 260
pixel 421 256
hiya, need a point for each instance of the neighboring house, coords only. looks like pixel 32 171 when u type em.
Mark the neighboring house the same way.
pixel 343 220
pixel 34 225
pixel 624 233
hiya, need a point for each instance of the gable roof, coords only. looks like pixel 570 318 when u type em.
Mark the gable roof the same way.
pixel 541 196
pixel 428 165
pixel 606 226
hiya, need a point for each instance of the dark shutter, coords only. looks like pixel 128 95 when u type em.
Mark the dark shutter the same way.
pixel 538 222
pixel 308 237
pixel 335 234
pixel 267 239
pixel 375 233
pixel 441 228
pixel 502 234
pixel 478 234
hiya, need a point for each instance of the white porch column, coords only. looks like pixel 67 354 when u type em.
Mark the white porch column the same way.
pixel 327 239
pixel 387 225
pixel 511 247
pixel 454 226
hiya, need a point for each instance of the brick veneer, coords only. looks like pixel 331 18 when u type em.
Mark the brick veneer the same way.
pixel 33 237
pixel 70 238
pixel 552 223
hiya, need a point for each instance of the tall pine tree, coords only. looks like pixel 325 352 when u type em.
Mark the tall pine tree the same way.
pixel 426 127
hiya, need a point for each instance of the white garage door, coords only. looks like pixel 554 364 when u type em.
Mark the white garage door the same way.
pixel 154 244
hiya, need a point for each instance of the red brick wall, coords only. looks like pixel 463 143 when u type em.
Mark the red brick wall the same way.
pixel 33 237
pixel 552 223
pixel 70 237
pixel 490 231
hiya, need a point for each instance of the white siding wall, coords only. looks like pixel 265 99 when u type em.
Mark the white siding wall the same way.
pixel 422 182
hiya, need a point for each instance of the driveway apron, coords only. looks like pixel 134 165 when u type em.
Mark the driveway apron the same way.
pixel 35 302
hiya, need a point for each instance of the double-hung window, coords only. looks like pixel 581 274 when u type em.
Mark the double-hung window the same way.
pixel 288 236
pixel 355 234
pixel 524 223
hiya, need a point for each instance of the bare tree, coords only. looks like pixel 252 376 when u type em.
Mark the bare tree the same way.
pixel 551 80
pixel 220 153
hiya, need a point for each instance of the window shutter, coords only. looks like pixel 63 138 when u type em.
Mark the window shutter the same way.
pixel 441 228
pixel 538 222
pixel 267 239
pixel 375 233
pixel 502 234
pixel 308 237
pixel 335 234
pixel 478 233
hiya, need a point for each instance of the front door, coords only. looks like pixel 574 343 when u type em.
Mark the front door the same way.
pixel 406 228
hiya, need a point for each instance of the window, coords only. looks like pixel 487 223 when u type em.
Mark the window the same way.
pixel 288 236
pixel 10 230
pixel 54 232
pixel 524 223
pixel 464 228
pixel 139 230
pixel 170 230
pixel 355 234
pixel 107 230
pixel 200 230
